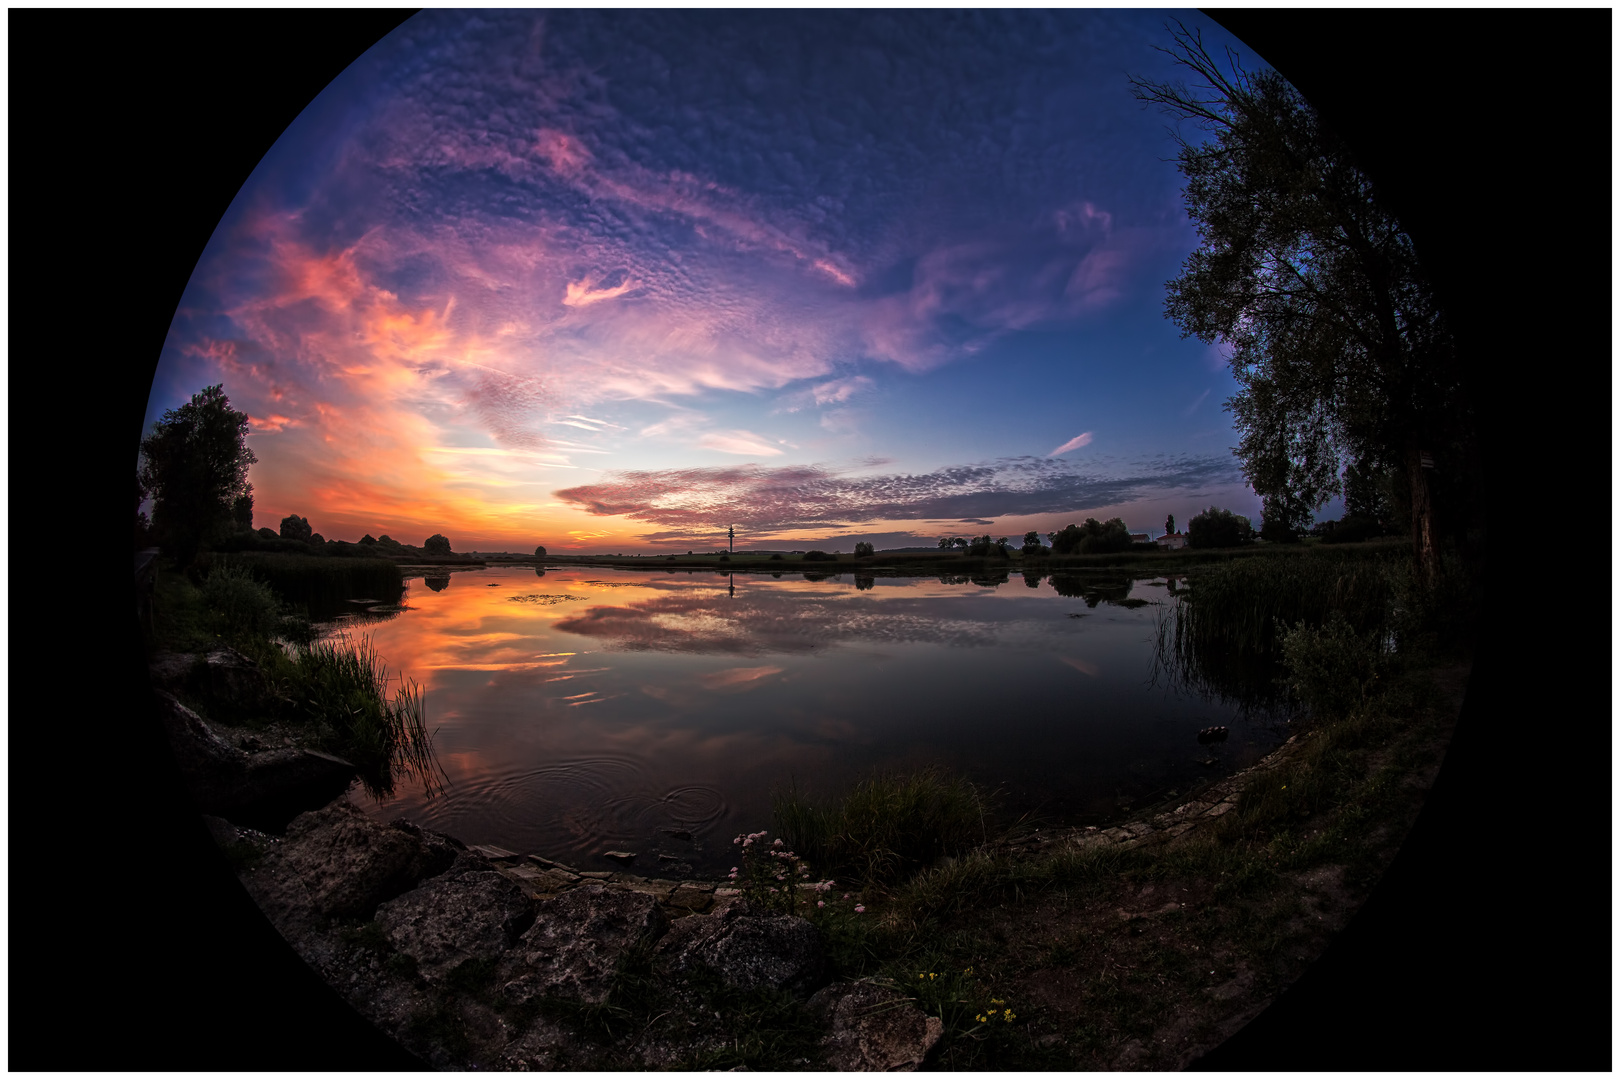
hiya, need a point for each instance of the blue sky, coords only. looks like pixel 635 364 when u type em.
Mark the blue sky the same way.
pixel 613 280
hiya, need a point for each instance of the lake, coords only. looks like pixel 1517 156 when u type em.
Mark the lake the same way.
pixel 587 709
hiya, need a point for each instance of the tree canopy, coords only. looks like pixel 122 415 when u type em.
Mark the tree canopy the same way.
pixel 194 465
pixel 1093 537
pixel 1341 354
pixel 1218 528
pixel 294 527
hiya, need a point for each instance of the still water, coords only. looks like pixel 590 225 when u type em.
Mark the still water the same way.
pixel 585 709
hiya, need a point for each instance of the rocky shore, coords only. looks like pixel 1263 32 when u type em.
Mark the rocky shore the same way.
pixel 474 957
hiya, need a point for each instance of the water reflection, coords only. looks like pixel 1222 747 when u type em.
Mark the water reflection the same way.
pixel 614 706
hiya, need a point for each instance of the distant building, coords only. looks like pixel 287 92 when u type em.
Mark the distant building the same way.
pixel 1141 538
pixel 1172 541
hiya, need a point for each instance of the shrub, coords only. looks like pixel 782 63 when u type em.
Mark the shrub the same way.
pixel 1438 615
pixel 248 606
pixel 819 556
pixel 1332 669
pixel 775 557
pixel 437 544
pixel 1350 530
pixel 540 551
pixel 862 548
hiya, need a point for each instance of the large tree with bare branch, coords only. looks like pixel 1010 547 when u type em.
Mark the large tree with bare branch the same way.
pixel 1340 351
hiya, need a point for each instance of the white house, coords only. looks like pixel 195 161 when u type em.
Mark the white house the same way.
pixel 1172 541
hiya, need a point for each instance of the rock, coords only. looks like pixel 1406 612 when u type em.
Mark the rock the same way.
pixel 537 881
pixel 621 856
pixel 678 834
pixel 336 862
pixel 574 947
pixel 490 851
pixel 873 1028
pixel 748 951
pixel 170 671
pixel 689 899
pixel 450 920
pixel 212 768
pixel 230 679
pixel 265 790
pixel 277 785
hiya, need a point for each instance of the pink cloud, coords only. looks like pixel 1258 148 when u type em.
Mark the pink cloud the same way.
pixel 580 293
pixel 840 390
pixel 744 443
pixel 1083 439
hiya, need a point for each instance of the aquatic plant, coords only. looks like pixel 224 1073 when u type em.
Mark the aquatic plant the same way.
pixel 342 687
pixel 324 586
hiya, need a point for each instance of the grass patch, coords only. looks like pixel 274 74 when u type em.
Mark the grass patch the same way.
pixel 887 827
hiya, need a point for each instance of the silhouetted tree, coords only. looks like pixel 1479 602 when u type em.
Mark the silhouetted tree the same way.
pixel 862 548
pixel 194 465
pixel 1277 528
pixel 1032 543
pixel 1169 524
pixel 242 513
pixel 983 545
pixel 437 544
pixel 1337 340
pixel 1093 537
pixel 540 551
pixel 294 527
pixel 1218 528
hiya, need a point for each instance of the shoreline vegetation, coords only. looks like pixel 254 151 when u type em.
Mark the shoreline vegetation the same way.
pixel 1034 945
pixel 252 619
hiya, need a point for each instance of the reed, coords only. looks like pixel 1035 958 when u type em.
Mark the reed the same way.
pixel 1245 605
pixel 887 827
pixel 343 688
pixel 324 586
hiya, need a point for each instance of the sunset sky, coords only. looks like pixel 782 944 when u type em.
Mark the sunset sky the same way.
pixel 612 281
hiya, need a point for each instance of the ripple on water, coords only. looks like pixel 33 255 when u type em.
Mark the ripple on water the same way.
pixel 579 808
